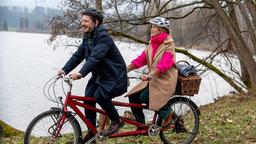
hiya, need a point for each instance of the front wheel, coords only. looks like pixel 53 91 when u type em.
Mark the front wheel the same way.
pixel 43 129
pixel 185 124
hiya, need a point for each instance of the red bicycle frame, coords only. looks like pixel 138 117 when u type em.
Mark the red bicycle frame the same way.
pixel 73 101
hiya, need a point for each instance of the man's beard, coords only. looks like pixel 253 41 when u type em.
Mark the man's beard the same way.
pixel 87 29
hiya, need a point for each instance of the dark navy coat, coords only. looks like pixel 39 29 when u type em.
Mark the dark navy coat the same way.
pixel 103 60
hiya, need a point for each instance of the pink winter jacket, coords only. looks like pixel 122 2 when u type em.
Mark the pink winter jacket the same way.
pixel 167 60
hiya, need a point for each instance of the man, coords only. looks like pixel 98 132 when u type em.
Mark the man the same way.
pixel 107 66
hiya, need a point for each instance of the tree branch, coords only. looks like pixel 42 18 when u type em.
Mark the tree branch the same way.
pixel 213 68
pixel 118 34
pixel 152 16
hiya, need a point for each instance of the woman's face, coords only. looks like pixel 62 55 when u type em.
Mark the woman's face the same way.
pixel 155 30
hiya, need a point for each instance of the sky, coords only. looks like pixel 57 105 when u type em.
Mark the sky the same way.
pixel 31 3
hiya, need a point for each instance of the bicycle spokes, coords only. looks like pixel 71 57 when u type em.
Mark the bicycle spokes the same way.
pixel 179 126
pixel 184 126
pixel 53 127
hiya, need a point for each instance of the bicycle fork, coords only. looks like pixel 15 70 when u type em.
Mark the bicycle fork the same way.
pixel 57 129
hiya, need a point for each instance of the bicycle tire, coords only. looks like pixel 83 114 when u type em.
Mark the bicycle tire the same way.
pixel 72 135
pixel 185 125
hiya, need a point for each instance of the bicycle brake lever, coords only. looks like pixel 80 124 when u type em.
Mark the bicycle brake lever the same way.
pixel 68 79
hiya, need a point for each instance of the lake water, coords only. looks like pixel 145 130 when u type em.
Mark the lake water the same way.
pixel 27 62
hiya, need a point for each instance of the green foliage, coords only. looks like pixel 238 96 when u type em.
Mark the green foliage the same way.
pixel 7 131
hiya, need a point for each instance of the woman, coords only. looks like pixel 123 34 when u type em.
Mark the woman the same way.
pixel 159 84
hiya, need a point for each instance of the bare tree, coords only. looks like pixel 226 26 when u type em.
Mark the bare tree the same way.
pixel 212 23
pixel 98 4
pixel 240 46
pixel 251 5
pixel 249 23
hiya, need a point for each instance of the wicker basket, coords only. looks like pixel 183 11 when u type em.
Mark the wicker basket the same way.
pixel 188 85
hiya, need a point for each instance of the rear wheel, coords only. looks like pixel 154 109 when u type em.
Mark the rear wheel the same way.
pixel 184 127
pixel 42 127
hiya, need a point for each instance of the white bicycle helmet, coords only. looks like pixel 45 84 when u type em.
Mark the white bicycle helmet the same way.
pixel 160 22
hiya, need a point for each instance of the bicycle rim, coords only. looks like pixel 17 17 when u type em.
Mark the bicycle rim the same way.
pixel 184 126
pixel 41 130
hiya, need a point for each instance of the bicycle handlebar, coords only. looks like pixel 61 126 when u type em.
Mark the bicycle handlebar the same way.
pixel 139 78
pixel 68 79
pixel 134 78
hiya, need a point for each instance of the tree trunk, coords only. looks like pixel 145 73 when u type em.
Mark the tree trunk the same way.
pixel 244 73
pixel 249 25
pixel 99 4
pixel 252 9
pixel 245 76
pixel 240 47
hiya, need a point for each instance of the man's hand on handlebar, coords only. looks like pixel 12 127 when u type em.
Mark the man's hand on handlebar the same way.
pixel 60 73
pixel 75 76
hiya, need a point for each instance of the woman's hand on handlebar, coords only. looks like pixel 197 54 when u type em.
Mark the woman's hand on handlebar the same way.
pixel 142 77
pixel 145 77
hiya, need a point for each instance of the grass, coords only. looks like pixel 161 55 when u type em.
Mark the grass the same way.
pixel 230 120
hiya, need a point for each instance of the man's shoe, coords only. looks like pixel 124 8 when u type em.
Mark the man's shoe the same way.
pixel 114 127
pixel 168 119
pixel 88 137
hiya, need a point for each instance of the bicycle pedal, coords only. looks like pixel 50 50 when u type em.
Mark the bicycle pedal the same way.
pixel 154 130
pixel 100 138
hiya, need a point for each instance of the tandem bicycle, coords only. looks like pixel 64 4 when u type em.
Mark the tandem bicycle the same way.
pixel 60 125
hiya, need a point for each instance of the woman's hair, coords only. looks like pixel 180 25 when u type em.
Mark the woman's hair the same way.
pixel 164 30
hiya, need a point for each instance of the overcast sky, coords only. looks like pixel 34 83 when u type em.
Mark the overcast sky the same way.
pixel 31 3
